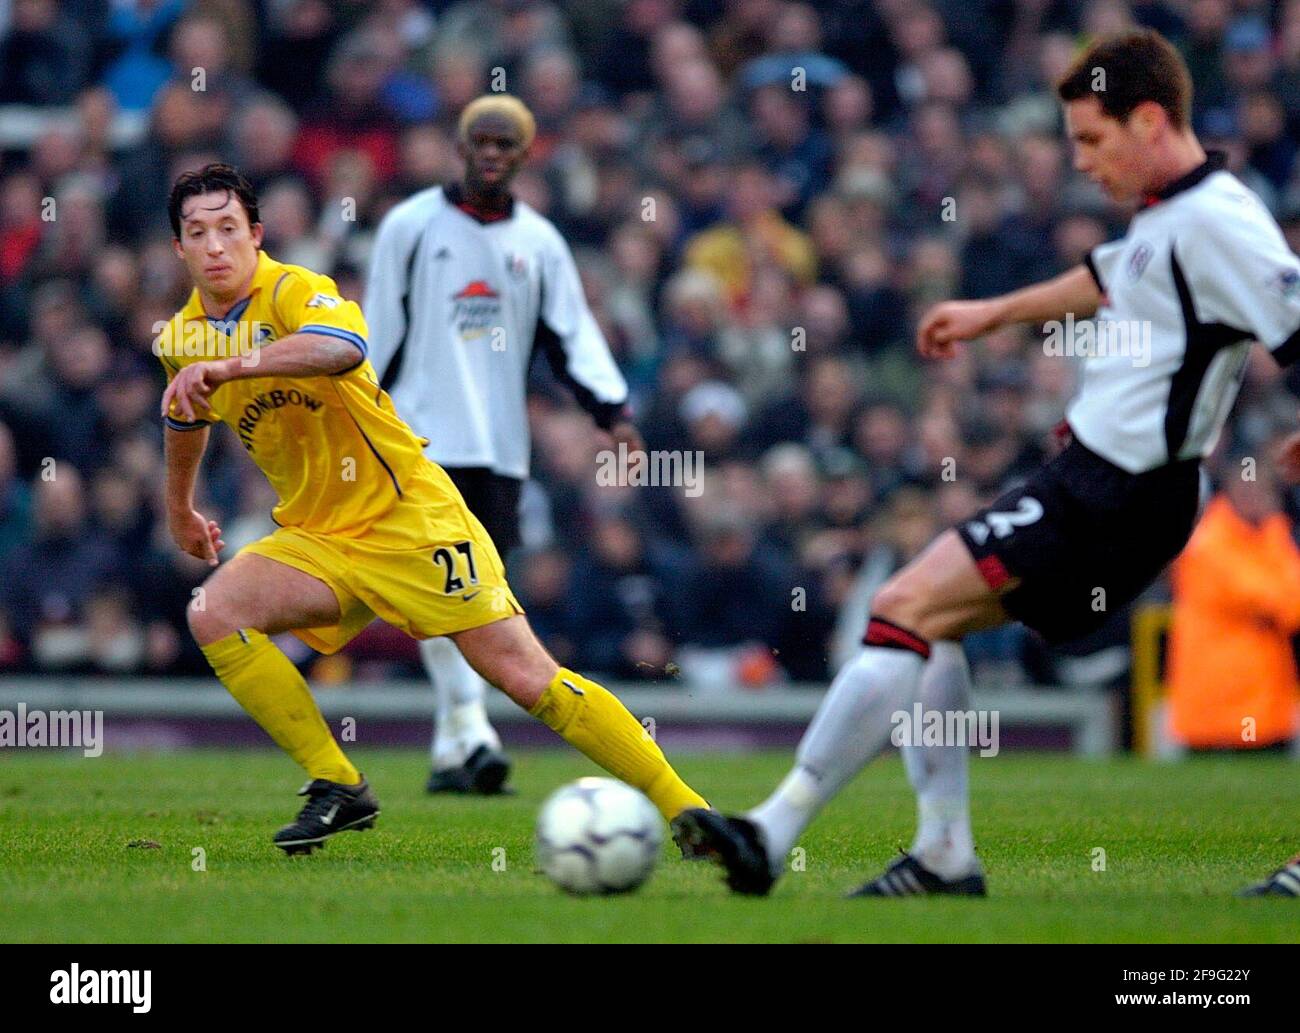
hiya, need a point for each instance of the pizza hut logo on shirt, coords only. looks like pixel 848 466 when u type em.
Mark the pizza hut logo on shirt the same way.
pixel 1138 259
pixel 476 308
pixel 475 289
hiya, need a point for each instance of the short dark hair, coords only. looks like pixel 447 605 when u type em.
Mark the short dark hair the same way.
pixel 1134 67
pixel 211 178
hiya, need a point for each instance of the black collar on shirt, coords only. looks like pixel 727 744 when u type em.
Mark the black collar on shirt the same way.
pixel 456 195
pixel 1214 161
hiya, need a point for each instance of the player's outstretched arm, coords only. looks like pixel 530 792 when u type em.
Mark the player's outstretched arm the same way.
pixel 190 529
pixel 576 349
pixel 301 354
pixel 950 322
pixel 298 355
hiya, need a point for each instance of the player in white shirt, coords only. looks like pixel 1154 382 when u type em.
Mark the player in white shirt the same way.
pixel 1202 272
pixel 466 283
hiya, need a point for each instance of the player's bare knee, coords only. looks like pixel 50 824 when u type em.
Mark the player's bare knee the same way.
pixel 908 601
pixel 201 622
pixel 901 601
pixel 210 619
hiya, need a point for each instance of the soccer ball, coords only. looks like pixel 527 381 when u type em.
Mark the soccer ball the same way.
pixel 597 835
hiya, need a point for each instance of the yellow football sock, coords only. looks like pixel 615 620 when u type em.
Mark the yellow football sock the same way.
pixel 591 718
pixel 276 696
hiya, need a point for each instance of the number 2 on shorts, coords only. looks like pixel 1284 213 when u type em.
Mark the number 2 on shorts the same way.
pixel 1027 511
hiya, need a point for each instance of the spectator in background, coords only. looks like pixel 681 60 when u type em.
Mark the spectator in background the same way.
pixel 704 182
pixel 713 414
pixel 798 155
pixel 296 53
pixel 694 103
pixel 994 260
pixel 759 348
pixel 115 641
pixel 76 366
pixel 182 121
pixel 353 113
pixel 122 518
pixel 694 314
pixel 1286 75
pixel 544 583
pixel 730 633
pixel 819 416
pixel 76 233
pixel 46 584
pixel 881 436
pixel 626 590
pixel 624 63
pixel 21 230
pixel 755 232
pixel 1203 49
pixel 794 57
pixel 136 31
pixel 1236 610
pixel 203 57
pixel 264 137
pixel 791 482
pixel 44 59
pixel 29 400
pixel 15 498
pixel 113 291
pixel 503 33
pixel 1270 151
pixel 286 209
pixel 551 82
pixel 171 577
pixel 458 76
pixel 428 158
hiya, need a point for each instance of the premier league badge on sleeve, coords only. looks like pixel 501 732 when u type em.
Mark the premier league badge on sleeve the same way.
pixel 1287 283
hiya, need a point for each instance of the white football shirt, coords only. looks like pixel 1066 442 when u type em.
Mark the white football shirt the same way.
pixel 1202 272
pixel 456 303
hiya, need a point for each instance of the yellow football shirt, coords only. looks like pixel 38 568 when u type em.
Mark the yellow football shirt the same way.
pixel 333 447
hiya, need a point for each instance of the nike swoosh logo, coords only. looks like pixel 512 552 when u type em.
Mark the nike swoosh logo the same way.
pixel 329 818
pixel 467 598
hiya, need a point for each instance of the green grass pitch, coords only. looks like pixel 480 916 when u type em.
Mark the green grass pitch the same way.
pixel 1178 841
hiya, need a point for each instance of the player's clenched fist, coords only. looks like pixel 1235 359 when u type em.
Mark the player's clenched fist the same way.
pixel 195 534
pixel 951 321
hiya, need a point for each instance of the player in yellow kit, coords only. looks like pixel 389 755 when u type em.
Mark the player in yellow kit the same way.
pixel 367 525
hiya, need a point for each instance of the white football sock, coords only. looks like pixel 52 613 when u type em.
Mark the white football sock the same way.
pixel 852 726
pixel 943 840
pixel 460 720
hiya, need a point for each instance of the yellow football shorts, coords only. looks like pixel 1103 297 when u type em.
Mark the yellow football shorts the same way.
pixel 428 567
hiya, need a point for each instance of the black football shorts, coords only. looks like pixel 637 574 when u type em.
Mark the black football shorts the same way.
pixel 1084 537
pixel 494 499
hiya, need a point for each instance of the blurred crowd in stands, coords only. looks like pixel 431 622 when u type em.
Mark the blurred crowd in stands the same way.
pixel 763 196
